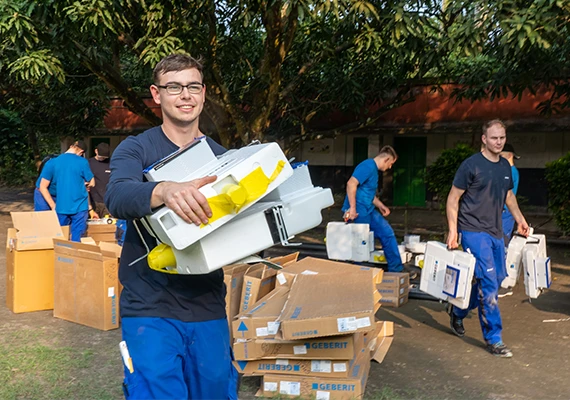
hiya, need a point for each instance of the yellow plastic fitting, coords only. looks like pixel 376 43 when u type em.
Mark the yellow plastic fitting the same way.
pixel 162 259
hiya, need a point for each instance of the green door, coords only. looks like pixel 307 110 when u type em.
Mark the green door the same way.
pixel 360 150
pixel 409 186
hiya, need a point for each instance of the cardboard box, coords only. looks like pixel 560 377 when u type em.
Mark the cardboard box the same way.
pixel 323 368
pixel 394 284
pixel 329 304
pixel 86 285
pixel 233 279
pixel 394 301
pixel 30 260
pixel 314 266
pixel 330 348
pixel 351 387
pixel 257 282
pixel 260 321
pixel 102 232
pixel 373 343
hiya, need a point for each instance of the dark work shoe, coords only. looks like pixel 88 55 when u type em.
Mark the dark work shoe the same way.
pixel 499 350
pixel 505 292
pixel 455 323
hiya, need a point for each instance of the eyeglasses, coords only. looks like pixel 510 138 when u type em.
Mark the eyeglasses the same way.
pixel 176 88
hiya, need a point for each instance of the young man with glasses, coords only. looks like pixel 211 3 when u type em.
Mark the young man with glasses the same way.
pixel 174 326
pixel 71 174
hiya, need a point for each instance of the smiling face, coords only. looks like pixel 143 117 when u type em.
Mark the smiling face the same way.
pixel 182 109
pixel 494 139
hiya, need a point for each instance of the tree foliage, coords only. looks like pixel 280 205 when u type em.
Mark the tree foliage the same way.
pixel 439 175
pixel 558 181
pixel 280 67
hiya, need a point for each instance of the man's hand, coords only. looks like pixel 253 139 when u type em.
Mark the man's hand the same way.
pixel 523 228
pixel 350 215
pixel 93 214
pixel 452 240
pixel 186 200
pixel 385 211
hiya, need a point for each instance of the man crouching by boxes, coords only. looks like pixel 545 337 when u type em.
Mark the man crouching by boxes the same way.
pixel 174 326
pixel 481 188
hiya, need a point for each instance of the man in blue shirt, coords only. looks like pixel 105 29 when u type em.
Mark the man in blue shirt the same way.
pixel 481 188
pixel 361 202
pixel 508 221
pixel 71 172
pixel 174 326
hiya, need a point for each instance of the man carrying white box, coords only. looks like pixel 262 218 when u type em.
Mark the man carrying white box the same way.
pixel 481 187
pixel 176 334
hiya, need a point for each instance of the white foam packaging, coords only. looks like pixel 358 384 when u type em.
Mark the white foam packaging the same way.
pixel 197 161
pixel 537 269
pixel 447 275
pixel 263 225
pixel 514 260
pixel 349 241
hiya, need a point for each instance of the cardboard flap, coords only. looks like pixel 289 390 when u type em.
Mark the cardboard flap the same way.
pixel 269 305
pixel 111 249
pixel 382 348
pixel 36 230
pixel 77 249
pixel 316 296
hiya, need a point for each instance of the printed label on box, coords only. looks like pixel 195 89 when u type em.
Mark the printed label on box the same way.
pixel 262 332
pixel 321 366
pixel 362 322
pixel 292 388
pixel 270 386
pixel 111 291
pixel 281 362
pixel 339 367
pixel 299 349
pixel 322 395
pixel 281 279
pixel 309 272
pixel 346 324
pixel 272 328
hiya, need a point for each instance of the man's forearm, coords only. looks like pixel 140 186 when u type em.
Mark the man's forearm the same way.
pixel 451 211
pixel 513 207
pixel 377 202
pixel 47 197
pixel 351 194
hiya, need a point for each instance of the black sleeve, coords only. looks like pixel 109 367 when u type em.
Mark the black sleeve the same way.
pixel 128 195
pixel 463 176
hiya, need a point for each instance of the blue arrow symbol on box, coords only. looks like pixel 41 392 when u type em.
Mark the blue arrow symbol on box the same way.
pixel 242 327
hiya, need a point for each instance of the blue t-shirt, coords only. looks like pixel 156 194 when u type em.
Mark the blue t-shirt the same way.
pixel 149 293
pixel 366 173
pixel 71 172
pixel 48 170
pixel 486 184
pixel 515 174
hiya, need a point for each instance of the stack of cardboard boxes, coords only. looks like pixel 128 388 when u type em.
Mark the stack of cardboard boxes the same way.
pixel 314 333
pixel 46 271
pixel 394 289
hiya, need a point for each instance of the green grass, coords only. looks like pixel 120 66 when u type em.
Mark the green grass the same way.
pixel 32 368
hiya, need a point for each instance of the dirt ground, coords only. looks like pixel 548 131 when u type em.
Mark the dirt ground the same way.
pixel 425 361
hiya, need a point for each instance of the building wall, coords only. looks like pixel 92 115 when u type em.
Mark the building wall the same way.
pixel 331 160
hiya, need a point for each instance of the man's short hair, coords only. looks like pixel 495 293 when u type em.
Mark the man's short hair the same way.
pixel 491 123
pixel 80 144
pixel 103 149
pixel 176 62
pixel 388 151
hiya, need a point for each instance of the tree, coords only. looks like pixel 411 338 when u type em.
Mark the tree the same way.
pixel 266 61
pixel 279 67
